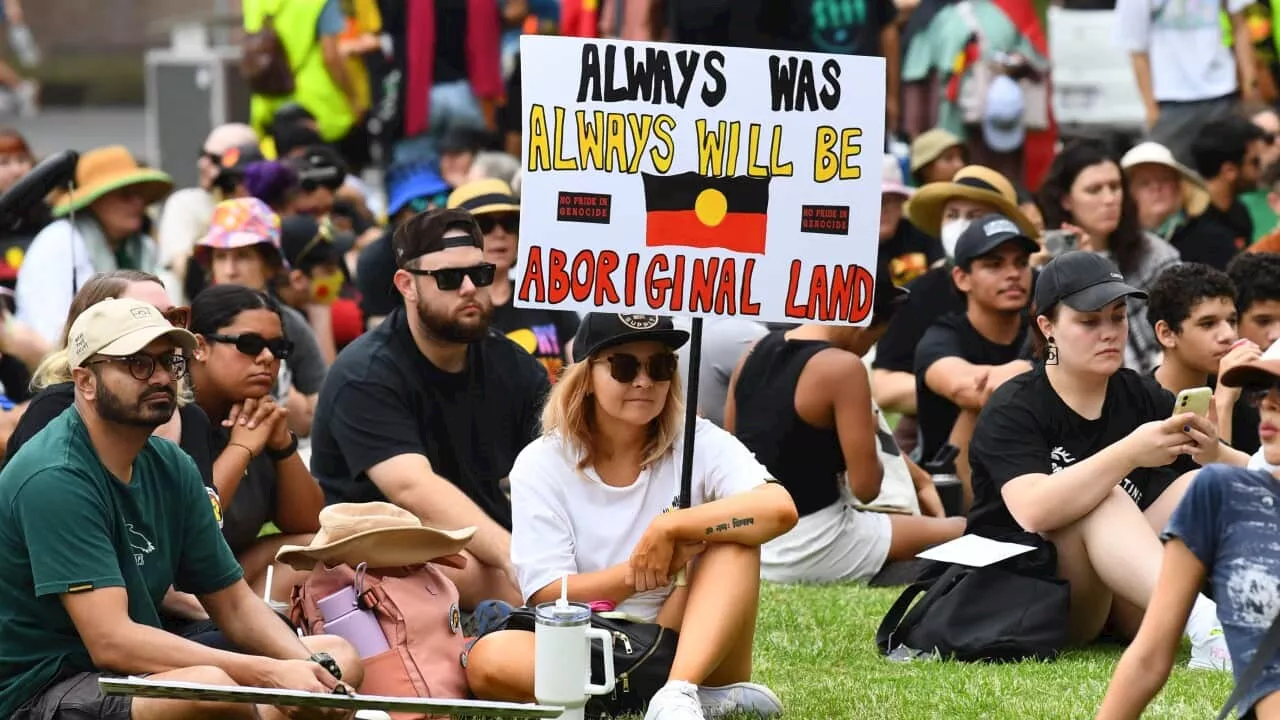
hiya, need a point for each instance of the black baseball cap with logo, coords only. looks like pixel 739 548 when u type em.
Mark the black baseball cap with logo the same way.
pixel 986 234
pixel 601 331
pixel 1083 281
pixel 424 233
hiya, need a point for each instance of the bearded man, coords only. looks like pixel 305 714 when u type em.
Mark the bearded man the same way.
pixel 429 409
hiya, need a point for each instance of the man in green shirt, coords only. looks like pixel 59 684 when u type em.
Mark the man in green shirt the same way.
pixel 98 518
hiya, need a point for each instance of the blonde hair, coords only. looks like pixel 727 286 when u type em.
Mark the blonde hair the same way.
pixel 570 413
pixel 55 368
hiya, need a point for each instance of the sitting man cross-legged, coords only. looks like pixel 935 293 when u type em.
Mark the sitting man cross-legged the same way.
pixel 98 519
pixel 429 409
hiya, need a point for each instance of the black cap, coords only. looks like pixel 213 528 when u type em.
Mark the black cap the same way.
pixel 988 233
pixel 601 331
pixel 320 165
pixel 234 160
pixel 306 243
pixel 424 233
pixel 460 140
pixel 1083 281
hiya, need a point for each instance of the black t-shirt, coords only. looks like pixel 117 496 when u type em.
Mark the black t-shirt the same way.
pixel 952 336
pixel 375 273
pixel 849 27
pixel 15 379
pixel 50 402
pixel 543 333
pixel 910 253
pixel 451 41
pixel 1215 237
pixel 932 294
pixel 1026 428
pixel 254 502
pixel 1244 427
pixel 383 398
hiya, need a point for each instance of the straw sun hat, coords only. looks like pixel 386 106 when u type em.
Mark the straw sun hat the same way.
pixel 379 534
pixel 108 169
pixel 973 182
pixel 1195 196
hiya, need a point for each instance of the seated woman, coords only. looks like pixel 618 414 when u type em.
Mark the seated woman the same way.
pixel 189 427
pixel 241 344
pixel 243 248
pixel 593 499
pixel 1091 456
pixel 800 400
pixel 1223 531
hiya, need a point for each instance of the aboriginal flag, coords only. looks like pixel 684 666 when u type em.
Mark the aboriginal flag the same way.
pixel 693 210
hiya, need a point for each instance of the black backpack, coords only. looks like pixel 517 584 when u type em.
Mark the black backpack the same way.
pixel 264 62
pixel 1013 610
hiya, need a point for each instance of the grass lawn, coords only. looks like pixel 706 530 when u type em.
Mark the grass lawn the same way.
pixel 815 647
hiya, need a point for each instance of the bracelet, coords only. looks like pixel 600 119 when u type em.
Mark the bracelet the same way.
pixel 244 447
pixel 284 452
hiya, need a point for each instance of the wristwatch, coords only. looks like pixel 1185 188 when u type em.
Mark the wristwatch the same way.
pixel 326 661
pixel 286 451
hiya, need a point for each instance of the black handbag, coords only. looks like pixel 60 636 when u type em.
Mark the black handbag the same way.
pixel 1013 610
pixel 642 657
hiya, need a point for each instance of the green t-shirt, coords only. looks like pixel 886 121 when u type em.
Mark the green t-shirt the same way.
pixel 67 524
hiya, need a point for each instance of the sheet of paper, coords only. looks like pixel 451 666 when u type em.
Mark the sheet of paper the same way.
pixel 974 551
pixel 178 690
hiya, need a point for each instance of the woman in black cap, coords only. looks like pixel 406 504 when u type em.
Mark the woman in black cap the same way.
pixel 595 500
pixel 1091 456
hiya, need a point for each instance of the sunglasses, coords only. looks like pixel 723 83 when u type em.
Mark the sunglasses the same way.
pixel 625 368
pixel 179 316
pixel 252 344
pixel 427 202
pixel 143 367
pixel 488 221
pixel 451 278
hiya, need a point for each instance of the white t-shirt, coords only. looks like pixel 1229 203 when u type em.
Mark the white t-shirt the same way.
pixel 1183 39
pixel 563 522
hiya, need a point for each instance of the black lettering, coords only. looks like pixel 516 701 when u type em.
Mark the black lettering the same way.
pixel 613 93
pixel 590 77
pixel 830 94
pixel 639 75
pixel 667 91
pixel 713 91
pixel 687 62
pixel 793 84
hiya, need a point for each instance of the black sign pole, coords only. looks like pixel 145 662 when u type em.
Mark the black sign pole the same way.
pixel 690 423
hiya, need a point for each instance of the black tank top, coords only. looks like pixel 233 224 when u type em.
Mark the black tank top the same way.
pixel 805 459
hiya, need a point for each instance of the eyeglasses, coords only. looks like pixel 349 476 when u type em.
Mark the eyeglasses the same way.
pixel 143 367
pixel 179 316
pixel 252 344
pixel 509 221
pixel 451 278
pixel 625 368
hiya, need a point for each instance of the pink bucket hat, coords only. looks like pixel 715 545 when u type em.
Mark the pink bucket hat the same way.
pixel 241 222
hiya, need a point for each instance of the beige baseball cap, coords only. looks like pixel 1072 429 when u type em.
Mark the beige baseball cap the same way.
pixel 120 327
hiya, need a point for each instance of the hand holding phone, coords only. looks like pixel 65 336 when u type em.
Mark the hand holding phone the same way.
pixel 1194 400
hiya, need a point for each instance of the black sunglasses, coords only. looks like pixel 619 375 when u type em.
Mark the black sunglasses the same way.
pixel 427 202
pixel 451 278
pixel 488 221
pixel 143 367
pixel 625 368
pixel 252 344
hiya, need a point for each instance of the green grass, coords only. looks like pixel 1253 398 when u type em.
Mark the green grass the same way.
pixel 815 647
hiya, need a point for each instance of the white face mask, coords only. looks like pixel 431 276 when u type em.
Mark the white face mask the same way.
pixel 950 235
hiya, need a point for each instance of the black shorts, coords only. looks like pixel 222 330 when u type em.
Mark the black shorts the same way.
pixel 75 697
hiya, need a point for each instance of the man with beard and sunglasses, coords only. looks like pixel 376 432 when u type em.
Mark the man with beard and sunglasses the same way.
pixel 429 409
pixel 99 518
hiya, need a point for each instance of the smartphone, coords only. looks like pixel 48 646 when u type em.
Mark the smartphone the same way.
pixel 1195 400
pixel 1060 241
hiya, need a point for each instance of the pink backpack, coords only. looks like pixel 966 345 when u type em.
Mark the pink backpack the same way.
pixel 417 608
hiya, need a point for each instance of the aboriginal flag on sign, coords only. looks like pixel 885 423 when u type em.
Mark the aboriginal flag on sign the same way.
pixel 693 210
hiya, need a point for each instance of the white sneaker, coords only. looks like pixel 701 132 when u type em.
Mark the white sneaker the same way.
pixel 1212 654
pixel 677 700
pixel 743 698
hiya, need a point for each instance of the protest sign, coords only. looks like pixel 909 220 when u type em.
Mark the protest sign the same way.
pixel 687 180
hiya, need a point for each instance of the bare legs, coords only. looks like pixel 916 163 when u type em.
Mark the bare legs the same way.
pixel 913 533
pixel 262 555
pixel 717 631
pixel 477 582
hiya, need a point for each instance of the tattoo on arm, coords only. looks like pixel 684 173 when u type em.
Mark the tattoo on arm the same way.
pixel 733 523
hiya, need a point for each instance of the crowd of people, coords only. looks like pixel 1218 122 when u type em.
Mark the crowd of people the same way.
pixel 191 376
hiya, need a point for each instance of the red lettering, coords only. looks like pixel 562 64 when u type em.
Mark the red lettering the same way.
pixel 818 293
pixel 533 277
pixel 559 278
pixel 851 293
pixel 585 260
pixel 701 290
pixel 656 289
pixel 677 285
pixel 605 292
pixel 745 304
pixel 629 279
pixel 728 283
pixel 791 309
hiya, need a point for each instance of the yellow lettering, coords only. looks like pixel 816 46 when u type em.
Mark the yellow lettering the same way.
pixel 663 125
pixel 711 147
pixel 640 125
pixel 754 169
pixel 825 163
pixel 616 142
pixel 735 143
pixel 590 143
pixel 561 162
pixel 776 166
pixel 539 146
pixel 850 148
